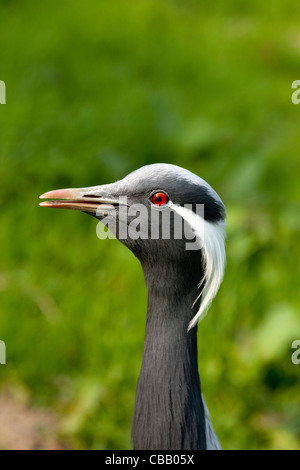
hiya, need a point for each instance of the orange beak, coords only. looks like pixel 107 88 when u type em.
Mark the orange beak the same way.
pixel 81 199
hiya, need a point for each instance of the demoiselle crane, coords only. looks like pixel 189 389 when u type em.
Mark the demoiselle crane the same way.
pixel 174 223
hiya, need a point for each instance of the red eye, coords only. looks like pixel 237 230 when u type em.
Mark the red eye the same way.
pixel 159 199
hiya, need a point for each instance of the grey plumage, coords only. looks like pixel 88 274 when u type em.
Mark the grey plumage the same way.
pixel 170 412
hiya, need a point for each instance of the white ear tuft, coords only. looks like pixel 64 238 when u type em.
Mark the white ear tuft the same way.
pixel 211 237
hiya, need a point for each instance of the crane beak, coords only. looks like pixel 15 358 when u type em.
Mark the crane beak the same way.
pixel 80 199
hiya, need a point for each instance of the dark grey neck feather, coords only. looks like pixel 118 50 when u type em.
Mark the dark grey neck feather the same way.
pixel 169 413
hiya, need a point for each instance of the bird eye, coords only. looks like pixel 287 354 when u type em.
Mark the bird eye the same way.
pixel 159 199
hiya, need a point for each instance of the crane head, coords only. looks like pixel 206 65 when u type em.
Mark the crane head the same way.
pixel 164 214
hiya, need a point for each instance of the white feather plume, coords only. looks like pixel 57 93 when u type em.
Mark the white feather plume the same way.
pixel 211 238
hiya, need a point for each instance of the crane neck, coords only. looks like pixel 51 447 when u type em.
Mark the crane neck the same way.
pixel 169 411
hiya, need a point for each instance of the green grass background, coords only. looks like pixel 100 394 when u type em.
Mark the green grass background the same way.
pixel 96 89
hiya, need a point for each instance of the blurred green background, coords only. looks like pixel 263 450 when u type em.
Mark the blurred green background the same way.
pixel 96 89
